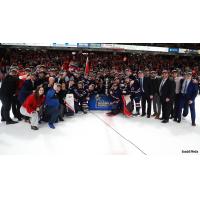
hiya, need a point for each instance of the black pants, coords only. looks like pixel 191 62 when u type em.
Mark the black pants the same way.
pixel 5 109
pixel 80 105
pixel 146 98
pixel 166 109
pixel 175 106
pixel 116 107
pixel 53 113
pixel 16 107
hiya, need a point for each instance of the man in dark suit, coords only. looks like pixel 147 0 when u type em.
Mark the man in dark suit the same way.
pixel 167 91
pixel 27 89
pixel 189 91
pixel 7 90
pixel 146 93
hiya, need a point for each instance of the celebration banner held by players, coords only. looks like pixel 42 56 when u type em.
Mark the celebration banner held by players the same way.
pixel 100 102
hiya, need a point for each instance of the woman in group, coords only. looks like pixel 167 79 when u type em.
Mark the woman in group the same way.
pixel 32 106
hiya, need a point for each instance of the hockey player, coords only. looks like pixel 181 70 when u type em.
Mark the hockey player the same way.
pixel 80 96
pixel 125 86
pixel 135 95
pixel 115 94
pixel 126 100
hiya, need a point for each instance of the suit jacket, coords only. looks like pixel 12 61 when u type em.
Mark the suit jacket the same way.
pixel 9 86
pixel 147 86
pixel 192 90
pixel 26 90
pixel 168 90
pixel 155 85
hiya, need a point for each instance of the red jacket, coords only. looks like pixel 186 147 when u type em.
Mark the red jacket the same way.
pixel 31 103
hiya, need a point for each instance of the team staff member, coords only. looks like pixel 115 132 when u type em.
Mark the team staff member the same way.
pixel 166 90
pixel 8 89
pixel 189 91
pixel 32 105
pixel 146 93
pixel 175 105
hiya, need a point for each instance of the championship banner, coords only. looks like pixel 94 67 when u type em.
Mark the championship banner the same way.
pixel 69 102
pixel 100 102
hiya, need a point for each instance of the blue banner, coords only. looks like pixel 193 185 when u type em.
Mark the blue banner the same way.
pixel 100 102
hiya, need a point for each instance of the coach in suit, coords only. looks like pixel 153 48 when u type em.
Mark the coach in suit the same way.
pixel 146 93
pixel 167 91
pixel 189 91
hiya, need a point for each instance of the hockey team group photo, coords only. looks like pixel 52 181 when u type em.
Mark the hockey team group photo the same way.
pixel 49 86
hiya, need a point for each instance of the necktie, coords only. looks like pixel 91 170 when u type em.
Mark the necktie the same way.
pixel 141 84
pixel 161 86
pixel 185 88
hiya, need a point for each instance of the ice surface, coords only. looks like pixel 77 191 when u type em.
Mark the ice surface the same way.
pixel 98 134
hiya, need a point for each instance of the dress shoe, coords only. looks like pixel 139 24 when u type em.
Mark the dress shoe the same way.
pixel 193 124
pixel 161 118
pixel 179 121
pixel 34 127
pixel 148 116
pixel 165 121
pixel 175 120
pixel 27 121
pixel 143 115
pixel 61 119
pixel 3 120
pixel 11 122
